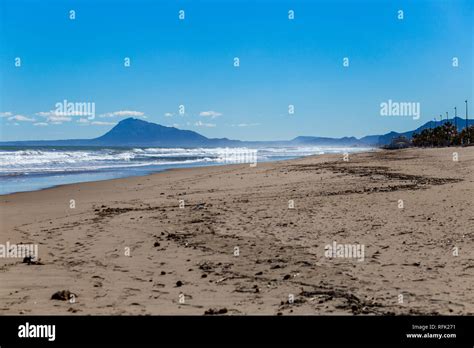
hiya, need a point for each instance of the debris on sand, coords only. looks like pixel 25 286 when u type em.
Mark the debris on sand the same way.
pixel 212 311
pixel 30 260
pixel 63 295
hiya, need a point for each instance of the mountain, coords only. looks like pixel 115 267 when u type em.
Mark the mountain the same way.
pixel 135 132
pixel 132 132
pixel 387 138
pixel 375 140
pixel 322 141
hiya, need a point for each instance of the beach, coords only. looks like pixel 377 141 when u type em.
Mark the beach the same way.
pixel 241 239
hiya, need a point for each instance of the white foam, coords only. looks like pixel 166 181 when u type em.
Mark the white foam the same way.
pixel 30 161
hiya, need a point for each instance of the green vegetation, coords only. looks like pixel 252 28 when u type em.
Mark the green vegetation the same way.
pixel 444 135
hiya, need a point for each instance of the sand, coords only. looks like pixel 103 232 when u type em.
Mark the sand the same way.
pixel 237 248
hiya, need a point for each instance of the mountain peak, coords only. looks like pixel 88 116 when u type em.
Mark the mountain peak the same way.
pixel 137 132
pixel 132 120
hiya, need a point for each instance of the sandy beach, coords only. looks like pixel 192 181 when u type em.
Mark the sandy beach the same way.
pixel 252 240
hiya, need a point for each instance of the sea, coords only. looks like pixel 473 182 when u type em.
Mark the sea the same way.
pixel 35 168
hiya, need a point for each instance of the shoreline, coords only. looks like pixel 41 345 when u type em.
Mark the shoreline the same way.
pixel 136 176
pixel 152 172
pixel 24 174
pixel 190 251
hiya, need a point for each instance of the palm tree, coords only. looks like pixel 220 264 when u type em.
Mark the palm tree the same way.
pixel 446 134
pixel 468 138
pixel 455 115
pixel 467 135
pixel 449 133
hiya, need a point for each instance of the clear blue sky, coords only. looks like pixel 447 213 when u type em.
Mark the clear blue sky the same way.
pixel 190 62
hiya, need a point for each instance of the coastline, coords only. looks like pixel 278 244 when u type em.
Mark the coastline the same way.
pixel 281 251
pixel 34 169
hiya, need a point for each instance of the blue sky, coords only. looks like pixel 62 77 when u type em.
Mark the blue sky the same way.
pixel 190 62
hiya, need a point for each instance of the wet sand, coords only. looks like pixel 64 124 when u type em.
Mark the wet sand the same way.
pixel 237 248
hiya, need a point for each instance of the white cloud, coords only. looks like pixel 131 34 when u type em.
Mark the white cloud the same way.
pixel 40 124
pixel 53 113
pixel 6 114
pixel 83 121
pixel 58 119
pixel 211 114
pixel 246 125
pixel 54 117
pixel 201 124
pixel 100 123
pixel 168 114
pixel 21 118
pixel 123 113
pixel 45 113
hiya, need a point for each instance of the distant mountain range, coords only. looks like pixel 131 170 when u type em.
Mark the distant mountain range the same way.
pixel 132 132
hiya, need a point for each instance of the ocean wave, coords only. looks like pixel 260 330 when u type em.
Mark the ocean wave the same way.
pixel 35 160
